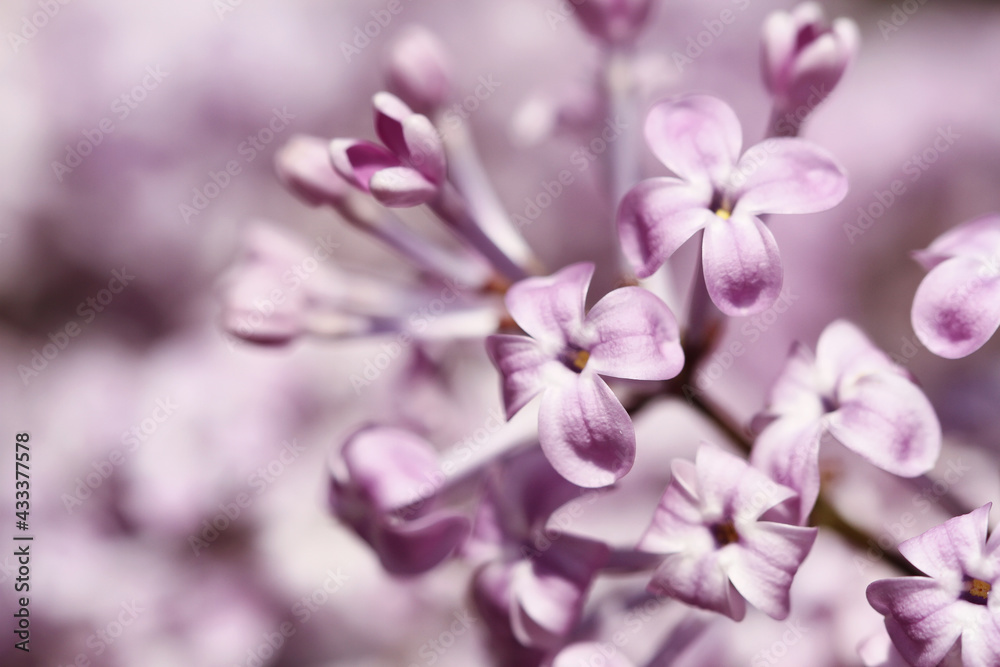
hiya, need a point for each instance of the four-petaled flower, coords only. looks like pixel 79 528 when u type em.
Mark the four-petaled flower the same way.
pixel 722 550
pixel 699 139
pixel 585 432
pixel 854 392
pixel 957 600
pixel 957 306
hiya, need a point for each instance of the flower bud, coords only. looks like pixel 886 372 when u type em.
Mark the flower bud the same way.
pixel 419 70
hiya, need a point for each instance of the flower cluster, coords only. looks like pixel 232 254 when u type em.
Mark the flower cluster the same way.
pixel 732 528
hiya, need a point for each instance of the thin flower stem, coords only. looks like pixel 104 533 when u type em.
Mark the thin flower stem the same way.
pixel 452 209
pixel 470 178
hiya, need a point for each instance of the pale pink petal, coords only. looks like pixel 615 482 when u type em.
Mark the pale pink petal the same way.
pixel 743 271
pixel 521 361
pixel 632 334
pixel 656 217
pixel 550 309
pixel 770 557
pixel 698 137
pixel 401 187
pixel 957 307
pixel 788 176
pixel 920 617
pixel 586 433
pixel 888 420
pixel 952 548
pixel 357 161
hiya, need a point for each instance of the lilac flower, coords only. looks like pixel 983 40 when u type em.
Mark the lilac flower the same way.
pixel 854 393
pixel 408 171
pixel 419 70
pixel 585 432
pixel 721 549
pixel 956 601
pixel 535 577
pixel 699 139
pixel 957 306
pixel 388 495
pixel 803 60
pixel 614 22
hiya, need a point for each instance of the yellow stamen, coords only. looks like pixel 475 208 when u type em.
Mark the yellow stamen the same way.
pixel 724 213
pixel 581 359
pixel 979 588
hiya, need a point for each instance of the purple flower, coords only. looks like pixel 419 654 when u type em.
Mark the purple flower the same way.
pixel 536 577
pixel 957 306
pixel 803 60
pixel 408 171
pixel 852 391
pixel 721 549
pixel 419 70
pixel 387 496
pixel 615 22
pixel 927 616
pixel 699 139
pixel 585 432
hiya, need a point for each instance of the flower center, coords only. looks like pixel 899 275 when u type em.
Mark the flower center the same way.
pixel 721 205
pixel 575 359
pixel 976 591
pixel 724 533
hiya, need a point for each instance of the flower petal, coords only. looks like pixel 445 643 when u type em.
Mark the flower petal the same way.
pixel 357 161
pixel 766 563
pixel 656 217
pixel 957 307
pixel 888 420
pixel 698 579
pixel 728 486
pixel 401 187
pixel 742 267
pixel 698 137
pixel 976 238
pixel 788 176
pixel 788 451
pixel 549 590
pixel 636 336
pixel 920 617
pixel 844 354
pixel 520 361
pixel 393 467
pixel 417 546
pixel 678 524
pixel 586 433
pixel 981 645
pixel 550 309
pixel 952 549
pixel 591 653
